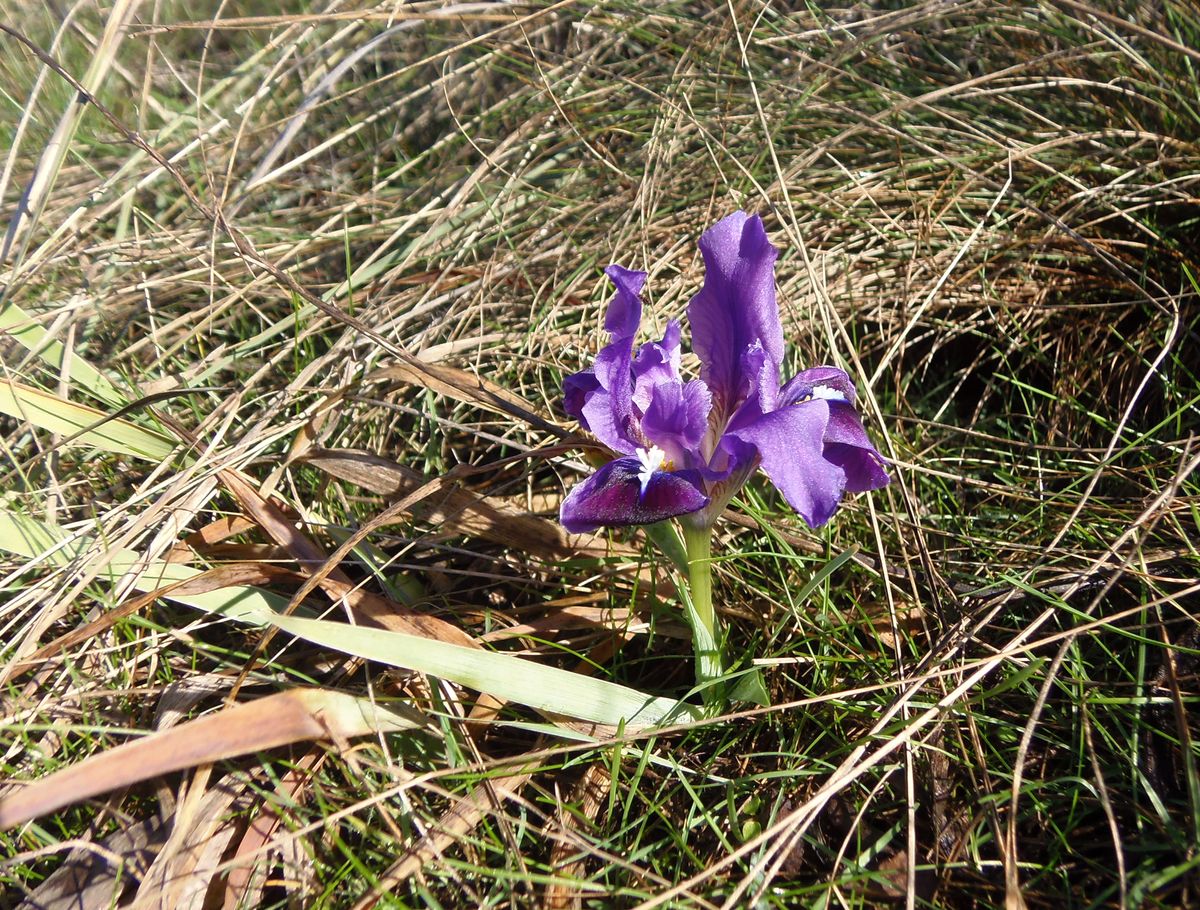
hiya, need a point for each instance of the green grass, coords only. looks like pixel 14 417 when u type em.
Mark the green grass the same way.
pixel 986 212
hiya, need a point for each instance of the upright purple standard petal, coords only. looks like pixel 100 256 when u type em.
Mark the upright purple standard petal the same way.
pixel 846 442
pixel 608 409
pixel 625 309
pixel 576 389
pixel 614 496
pixel 791 444
pixel 736 306
pixel 677 419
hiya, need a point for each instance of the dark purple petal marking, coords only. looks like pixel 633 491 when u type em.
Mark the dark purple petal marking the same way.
pixel 613 497
pixel 736 306
pixel 790 443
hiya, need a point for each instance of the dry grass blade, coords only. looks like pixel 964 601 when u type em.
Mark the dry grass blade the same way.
pixel 458 510
pixel 567 862
pixel 323 571
pixel 183 871
pixel 18 325
pixel 330 231
pixel 266 723
pixel 58 148
pixel 454 825
pixel 468 388
pixel 248 875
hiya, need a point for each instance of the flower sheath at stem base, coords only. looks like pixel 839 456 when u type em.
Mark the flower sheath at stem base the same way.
pixel 701 615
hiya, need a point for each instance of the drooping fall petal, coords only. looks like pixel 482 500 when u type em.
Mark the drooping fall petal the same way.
pixel 801 386
pixel 847 446
pixel 614 497
pixel 790 442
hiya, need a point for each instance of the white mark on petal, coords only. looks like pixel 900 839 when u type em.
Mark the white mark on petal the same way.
pixel 826 393
pixel 650 461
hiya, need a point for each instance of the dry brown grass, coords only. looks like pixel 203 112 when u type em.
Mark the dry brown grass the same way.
pixel 381 229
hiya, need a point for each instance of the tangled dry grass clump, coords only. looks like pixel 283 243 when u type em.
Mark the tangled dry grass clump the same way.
pixel 285 306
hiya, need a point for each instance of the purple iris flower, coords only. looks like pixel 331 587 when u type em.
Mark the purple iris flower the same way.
pixel 687 447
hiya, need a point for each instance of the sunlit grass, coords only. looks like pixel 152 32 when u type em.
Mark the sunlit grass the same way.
pixel 986 214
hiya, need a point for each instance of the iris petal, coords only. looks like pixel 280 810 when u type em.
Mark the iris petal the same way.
pixel 677 420
pixel 613 497
pixel 802 384
pixel 736 306
pixel 608 410
pixel 625 309
pixel 656 362
pixel 847 446
pixel 790 443
pixel 576 390
pixel 762 375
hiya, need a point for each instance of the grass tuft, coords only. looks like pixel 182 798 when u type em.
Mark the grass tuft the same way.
pixel 290 286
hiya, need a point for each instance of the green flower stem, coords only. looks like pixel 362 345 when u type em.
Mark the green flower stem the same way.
pixel 700 613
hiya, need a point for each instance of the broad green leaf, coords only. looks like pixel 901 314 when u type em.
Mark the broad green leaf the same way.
pixel 750 686
pixel 30 538
pixel 513 678
pixel 23 329
pixel 86 425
